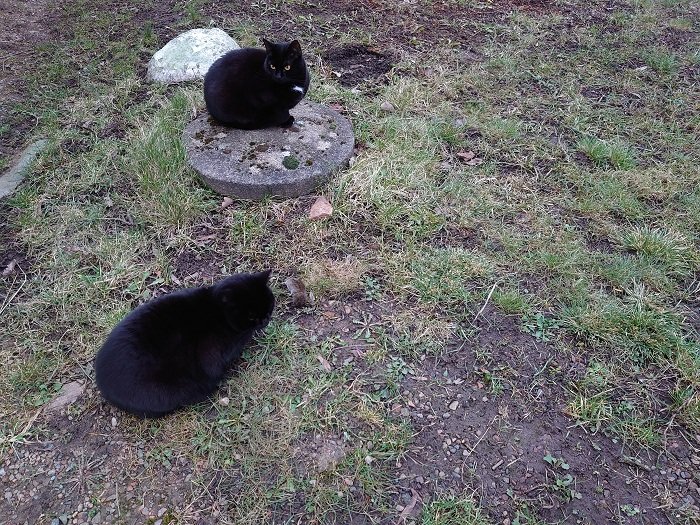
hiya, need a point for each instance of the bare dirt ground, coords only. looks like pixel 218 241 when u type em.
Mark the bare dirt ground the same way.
pixel 26 25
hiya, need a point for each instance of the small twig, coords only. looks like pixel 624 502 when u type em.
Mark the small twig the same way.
pixel 629 460
pixel 18 438
pixel 7 301
pixel 486 431
pixel 409 508
pixel 488 297
pixel 543 367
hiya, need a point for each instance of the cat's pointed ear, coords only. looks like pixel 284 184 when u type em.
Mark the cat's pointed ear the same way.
pixel 264 276
pixel 268 45
pixel 294 48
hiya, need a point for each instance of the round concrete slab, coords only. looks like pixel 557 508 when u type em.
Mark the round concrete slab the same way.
pixel 253 164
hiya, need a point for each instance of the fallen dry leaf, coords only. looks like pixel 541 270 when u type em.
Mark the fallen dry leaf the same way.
pixel 206 237
pixel 324 363
pixel 406 512
pixel 280 211
pixel 358 353
pixel 469 158
pixel 297 289
pixel 10 267
pixel 465 156
pixel 321 209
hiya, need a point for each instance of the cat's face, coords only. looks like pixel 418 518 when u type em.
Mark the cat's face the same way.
pixel 284 62
pixel 247 300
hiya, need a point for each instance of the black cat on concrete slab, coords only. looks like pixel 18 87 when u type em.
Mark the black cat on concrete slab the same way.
pixel 175 350
pixel 254 88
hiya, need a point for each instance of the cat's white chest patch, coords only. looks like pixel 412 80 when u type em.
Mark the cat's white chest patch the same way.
pixel 298 89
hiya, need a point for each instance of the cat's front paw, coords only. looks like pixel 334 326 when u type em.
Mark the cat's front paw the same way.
pixel 288 123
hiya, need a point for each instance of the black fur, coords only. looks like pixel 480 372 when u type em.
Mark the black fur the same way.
pixel 175 350
pixel 252 88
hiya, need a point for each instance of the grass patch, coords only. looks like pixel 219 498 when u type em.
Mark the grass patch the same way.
pixel 558 186
pixel 612 154
pixel 450 510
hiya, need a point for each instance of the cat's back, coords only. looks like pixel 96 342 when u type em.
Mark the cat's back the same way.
pixel 167 309
pixel 238 64
pixel 155 325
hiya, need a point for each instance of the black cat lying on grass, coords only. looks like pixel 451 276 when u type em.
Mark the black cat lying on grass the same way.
pixel 175 350
pixel 254 88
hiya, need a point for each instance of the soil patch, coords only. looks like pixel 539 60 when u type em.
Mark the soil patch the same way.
pixel 499 427
pixel 90 468
pixel 356 63
pixel 21 34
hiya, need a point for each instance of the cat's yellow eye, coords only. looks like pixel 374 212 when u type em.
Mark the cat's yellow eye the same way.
pixel 287 67
pixel 272 67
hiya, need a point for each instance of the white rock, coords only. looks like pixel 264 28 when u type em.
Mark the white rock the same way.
pixel 189 56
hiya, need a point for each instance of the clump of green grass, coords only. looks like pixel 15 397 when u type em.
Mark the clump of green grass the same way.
pixel 168 191
pixel 594 410
pixel 512 301
pixel 668 248
pixel 686 402
pixel 636 429
pixel 450 510
pixel 662 61
pixel 613 153
pixel 638 332
pixel 416 332
pixel 592 405
pixel 444 277
pixel 606 193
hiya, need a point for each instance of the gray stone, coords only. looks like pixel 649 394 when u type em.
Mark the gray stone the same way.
pixel 15 175
pixel 330 454
pixel 189 56
pixel 282 162
pixel 69 394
